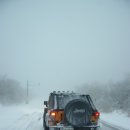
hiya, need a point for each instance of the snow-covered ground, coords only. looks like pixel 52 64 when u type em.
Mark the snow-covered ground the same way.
pixel 21 116
pixel 29 117
pixel 117 119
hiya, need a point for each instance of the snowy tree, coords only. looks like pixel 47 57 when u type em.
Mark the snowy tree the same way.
pixel 11 91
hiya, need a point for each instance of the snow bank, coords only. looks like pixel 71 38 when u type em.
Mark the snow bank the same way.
pixel 116 119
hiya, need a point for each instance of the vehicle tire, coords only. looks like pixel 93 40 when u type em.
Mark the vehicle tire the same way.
pixel 83 128
pixel 77 113
pixel 57 128
pixel 46 128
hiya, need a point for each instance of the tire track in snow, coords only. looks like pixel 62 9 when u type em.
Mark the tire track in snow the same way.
pixel 32 121
pixel 112 126
pixel 36 124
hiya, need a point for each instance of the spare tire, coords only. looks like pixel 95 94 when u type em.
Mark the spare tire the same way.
pixel 76 113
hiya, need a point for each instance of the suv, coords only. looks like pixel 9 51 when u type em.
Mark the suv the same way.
pixel 70 111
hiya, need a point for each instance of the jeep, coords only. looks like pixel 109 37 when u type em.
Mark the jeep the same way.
pixel 70 111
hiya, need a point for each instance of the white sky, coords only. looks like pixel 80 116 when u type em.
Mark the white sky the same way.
pixel 63 44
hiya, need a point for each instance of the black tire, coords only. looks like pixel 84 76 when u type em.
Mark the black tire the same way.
pixel 46 128
pixel 77 113
pixel 83 128
pixel 57 128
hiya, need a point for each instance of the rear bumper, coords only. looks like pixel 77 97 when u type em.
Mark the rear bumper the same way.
pixel 92 127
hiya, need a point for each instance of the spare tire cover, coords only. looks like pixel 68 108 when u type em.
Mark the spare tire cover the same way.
pixel 76 112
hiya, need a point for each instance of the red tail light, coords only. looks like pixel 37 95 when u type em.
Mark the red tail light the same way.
pixel 95 116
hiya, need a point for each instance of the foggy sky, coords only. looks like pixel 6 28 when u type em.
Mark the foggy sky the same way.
pixel 63 44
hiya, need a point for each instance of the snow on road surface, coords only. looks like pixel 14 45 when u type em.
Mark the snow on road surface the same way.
pixel 31 121
pixel 29 117
pixel 116 119
pixel 23 117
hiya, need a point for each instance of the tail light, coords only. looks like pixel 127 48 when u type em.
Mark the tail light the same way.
pixel 52 118
pixel 95 116
pixel 56 116
pixel 53 113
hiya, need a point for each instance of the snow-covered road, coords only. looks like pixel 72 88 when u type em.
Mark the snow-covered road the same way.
pixel 33 121
pixel 104 127
pixel 29 117
pixel 107 126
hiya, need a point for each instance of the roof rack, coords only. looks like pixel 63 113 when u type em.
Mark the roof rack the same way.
pixel 63 92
